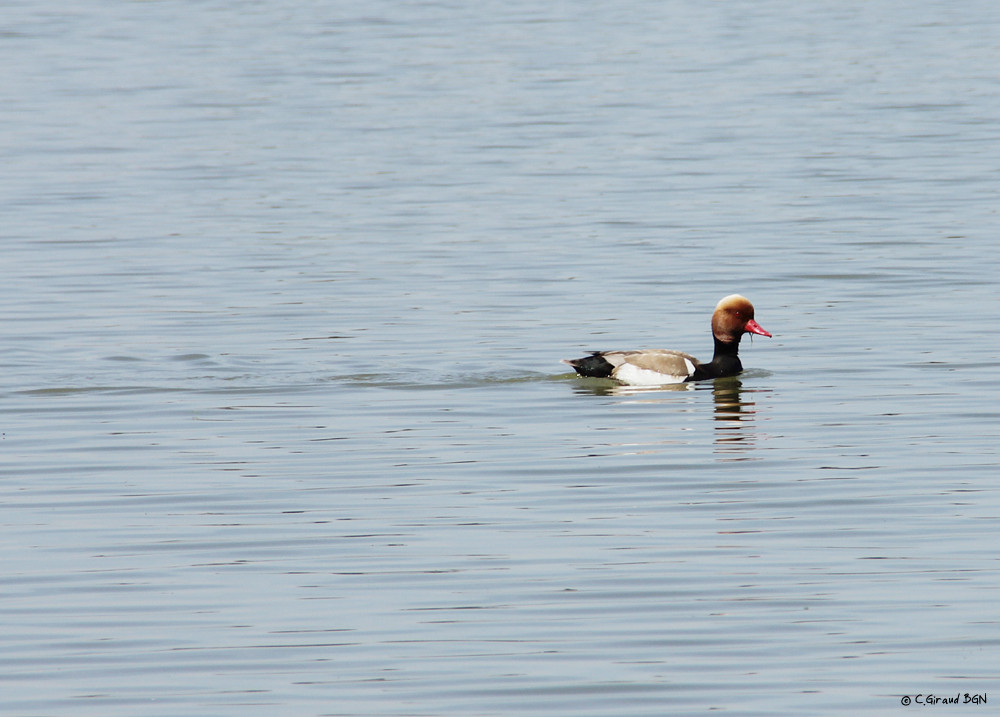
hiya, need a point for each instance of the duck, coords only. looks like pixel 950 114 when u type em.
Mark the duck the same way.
pixel 733 317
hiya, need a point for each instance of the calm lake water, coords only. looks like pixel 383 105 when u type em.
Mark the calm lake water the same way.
pixel 286 286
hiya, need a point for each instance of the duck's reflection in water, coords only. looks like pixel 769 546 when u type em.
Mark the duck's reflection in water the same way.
pixel 735 414
pixel 609 387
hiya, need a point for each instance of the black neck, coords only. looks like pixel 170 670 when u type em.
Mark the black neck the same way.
pixel 725 361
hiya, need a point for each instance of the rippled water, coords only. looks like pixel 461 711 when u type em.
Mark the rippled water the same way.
pixel 284 427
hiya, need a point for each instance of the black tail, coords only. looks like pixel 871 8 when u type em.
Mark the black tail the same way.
pixel 594 365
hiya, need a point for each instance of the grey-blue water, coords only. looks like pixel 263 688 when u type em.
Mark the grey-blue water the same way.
pixel 285 288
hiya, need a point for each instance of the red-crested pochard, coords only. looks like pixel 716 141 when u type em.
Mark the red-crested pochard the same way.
pixel 732 318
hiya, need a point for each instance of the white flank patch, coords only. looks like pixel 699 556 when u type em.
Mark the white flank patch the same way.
pixel 635 376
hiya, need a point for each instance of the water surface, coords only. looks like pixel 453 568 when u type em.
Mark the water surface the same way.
pixel 286 288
